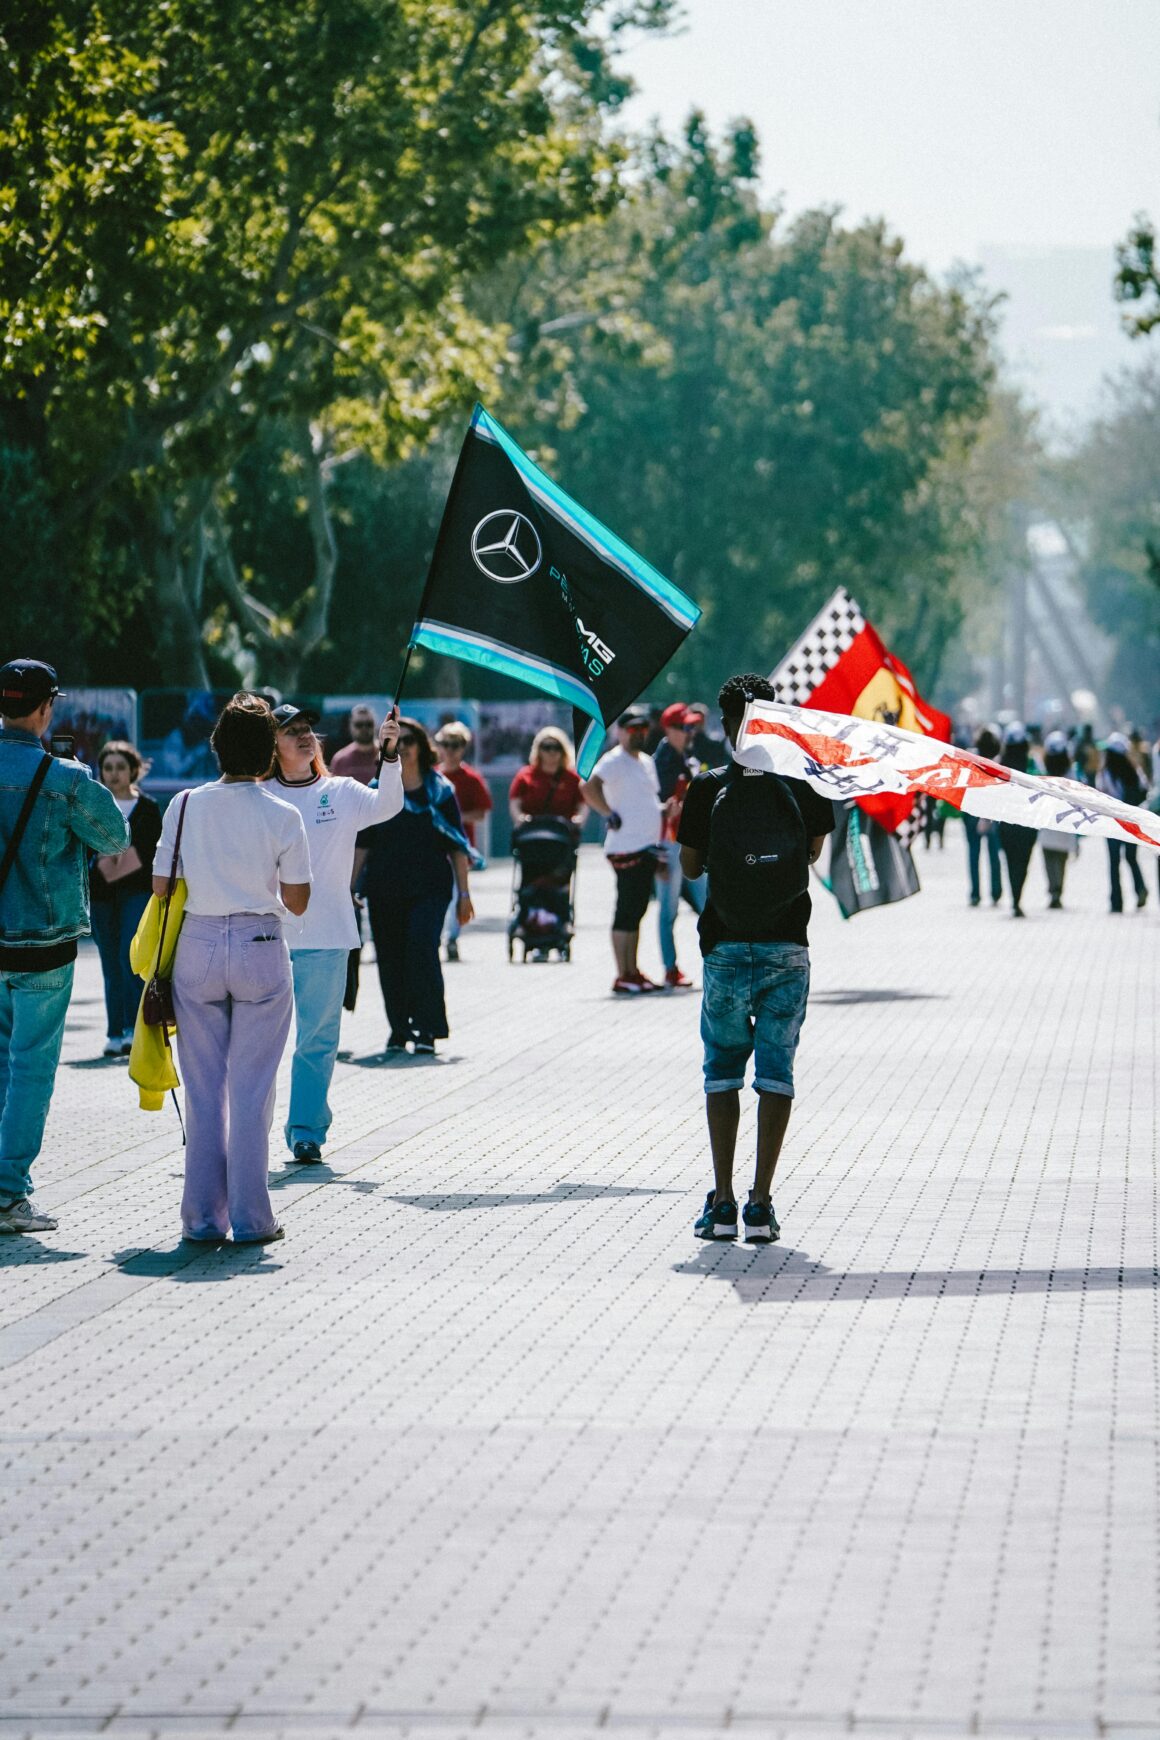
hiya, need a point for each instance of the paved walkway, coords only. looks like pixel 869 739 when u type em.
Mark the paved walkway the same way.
pixel 491 1443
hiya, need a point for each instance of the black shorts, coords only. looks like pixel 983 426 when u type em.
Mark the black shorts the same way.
pixel 635 873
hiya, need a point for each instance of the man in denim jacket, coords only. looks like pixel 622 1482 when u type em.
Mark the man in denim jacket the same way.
pixel 44 908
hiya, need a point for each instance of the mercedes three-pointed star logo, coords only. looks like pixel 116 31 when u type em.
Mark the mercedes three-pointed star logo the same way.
pixel 506 547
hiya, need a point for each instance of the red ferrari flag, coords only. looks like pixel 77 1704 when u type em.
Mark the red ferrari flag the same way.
pixel 841 665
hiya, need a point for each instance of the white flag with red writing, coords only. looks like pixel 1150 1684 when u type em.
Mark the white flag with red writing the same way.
pixel 845 758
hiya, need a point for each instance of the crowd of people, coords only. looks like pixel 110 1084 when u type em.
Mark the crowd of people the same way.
pixel 243 909
pixel 1125 768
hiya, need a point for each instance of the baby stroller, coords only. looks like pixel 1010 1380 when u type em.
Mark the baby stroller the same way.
pixel 543 903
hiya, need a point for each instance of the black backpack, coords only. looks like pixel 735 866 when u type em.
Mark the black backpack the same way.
pixel 759 859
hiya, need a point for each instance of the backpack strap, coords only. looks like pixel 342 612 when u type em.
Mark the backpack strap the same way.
pixel 23 818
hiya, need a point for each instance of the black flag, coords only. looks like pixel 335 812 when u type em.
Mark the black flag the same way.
pixel 868 866
pixel 525 581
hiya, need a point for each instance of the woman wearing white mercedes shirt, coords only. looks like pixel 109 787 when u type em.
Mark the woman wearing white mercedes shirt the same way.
pixel 334 809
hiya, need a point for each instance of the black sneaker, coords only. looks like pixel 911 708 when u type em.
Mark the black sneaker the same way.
pixel 307 1152
pixel 395 1044
pixel 761 1226
pixel 717 1220
pixel 452 951
pixel 424 1045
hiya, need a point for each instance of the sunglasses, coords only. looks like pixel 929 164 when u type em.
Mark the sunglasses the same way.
pixel 551 748
pixel 407 740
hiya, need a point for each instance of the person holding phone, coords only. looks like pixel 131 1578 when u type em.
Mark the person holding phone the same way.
pixel 119 889
pixel 333 809
pixel 53 814
pixel 243 854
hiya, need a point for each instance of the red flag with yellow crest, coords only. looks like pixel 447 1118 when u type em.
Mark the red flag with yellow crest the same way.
pixel 841 665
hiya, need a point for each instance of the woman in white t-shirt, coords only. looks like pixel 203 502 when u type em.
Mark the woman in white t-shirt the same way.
pixel 244 857
pixel 333 810
pixel 625 788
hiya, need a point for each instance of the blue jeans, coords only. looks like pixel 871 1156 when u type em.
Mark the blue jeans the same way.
pixel 974 853
pixel 1118 849
pixel 753 1005
pixel 319 985
pixel 669 900
pixel 32 1011
pixel 115 924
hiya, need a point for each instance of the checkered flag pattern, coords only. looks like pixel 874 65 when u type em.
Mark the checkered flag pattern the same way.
pixel 833 630
pixel 909 828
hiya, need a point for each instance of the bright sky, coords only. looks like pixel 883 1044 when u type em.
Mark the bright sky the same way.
pixel 967 124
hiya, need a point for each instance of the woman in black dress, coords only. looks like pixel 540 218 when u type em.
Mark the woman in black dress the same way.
pixel 412 864
pixel 119 890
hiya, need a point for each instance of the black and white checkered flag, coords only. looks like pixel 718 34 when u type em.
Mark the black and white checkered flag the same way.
pixel 832 632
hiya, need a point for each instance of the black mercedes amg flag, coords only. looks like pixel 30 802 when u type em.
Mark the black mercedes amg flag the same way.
pixel 525 581
pixel 868 866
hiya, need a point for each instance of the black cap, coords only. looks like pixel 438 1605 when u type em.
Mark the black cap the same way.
pixel 287 712
pixel 634 716
pixel 25 685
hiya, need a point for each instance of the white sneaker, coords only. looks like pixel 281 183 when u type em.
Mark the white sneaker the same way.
pixel 23 1216
pixel 112 1046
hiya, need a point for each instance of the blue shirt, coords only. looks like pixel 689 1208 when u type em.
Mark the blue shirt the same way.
pixel 46 897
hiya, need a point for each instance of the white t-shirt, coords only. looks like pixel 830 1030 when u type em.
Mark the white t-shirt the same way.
pixel 238 843
pixel 334 808
pixel 633 791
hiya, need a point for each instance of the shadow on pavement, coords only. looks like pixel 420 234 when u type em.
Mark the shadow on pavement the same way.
pixel 873 995
pixel 95 1063
pixel 23 1250
pixel 308 1173
pixel 518 1199
pixel 197 1262
pixel 401 1060
pixel 779 1275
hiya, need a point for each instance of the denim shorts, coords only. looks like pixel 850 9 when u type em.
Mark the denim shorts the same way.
pixel 753 1005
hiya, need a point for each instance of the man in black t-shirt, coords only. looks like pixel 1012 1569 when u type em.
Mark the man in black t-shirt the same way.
pixel 756 981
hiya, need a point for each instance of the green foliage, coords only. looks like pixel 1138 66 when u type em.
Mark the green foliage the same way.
pixel 218 213
pixel 765 415
pixel 1109 504
pixel 1138 277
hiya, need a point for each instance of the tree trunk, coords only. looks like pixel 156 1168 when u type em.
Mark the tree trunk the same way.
pixel 178 624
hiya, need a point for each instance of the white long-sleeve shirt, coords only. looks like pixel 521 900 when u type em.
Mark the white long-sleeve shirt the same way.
pixel 334 810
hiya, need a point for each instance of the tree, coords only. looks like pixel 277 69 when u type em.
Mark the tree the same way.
pixel 766 414
pixel 1109 504
pixel 1138 276
pixel 218 216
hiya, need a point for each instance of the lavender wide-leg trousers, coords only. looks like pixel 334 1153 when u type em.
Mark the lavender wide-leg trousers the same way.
pixel 233 997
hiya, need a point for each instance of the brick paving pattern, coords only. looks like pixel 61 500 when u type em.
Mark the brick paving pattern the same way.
pixel 491 1444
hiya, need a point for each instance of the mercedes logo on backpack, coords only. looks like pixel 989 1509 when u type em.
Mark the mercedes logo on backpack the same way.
pixel 759 855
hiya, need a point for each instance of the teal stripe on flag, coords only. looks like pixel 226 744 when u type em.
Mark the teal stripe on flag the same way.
pixel 589 747
pixel 494 655
pixel 587 527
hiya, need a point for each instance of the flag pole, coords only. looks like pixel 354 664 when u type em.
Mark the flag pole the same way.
pixel 403 672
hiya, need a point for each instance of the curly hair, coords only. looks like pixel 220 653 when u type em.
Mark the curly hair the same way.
pixel 739 691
